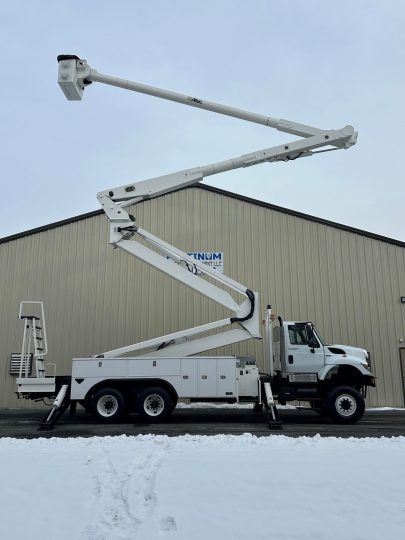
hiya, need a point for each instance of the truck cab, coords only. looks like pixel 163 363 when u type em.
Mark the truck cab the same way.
pixel 332 378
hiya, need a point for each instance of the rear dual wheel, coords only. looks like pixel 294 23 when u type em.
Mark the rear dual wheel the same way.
pixel 108 405
pixel 154 404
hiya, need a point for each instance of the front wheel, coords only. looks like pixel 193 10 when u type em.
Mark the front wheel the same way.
pixel 154 404
pixel 345 405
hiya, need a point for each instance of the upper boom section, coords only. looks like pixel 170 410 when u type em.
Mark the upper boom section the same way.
pixel 75 74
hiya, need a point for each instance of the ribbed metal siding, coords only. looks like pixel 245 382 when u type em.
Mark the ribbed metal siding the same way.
pixel 97 298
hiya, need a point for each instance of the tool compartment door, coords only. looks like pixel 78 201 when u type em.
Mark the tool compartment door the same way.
pixel 189 377
pixel 227 377
pixel 216 377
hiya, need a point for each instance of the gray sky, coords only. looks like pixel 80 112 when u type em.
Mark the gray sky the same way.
pixel 326 64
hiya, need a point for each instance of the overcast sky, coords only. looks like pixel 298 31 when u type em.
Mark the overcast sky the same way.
pixel 326 64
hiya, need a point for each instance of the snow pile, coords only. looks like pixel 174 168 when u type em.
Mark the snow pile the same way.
pixel 193 488
pixel 207 405
pixel 241 406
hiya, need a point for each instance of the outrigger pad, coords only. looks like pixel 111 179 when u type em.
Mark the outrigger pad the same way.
pixel 50 419
pixel 273 418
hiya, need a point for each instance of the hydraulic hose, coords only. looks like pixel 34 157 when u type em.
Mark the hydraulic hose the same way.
pixel 251 295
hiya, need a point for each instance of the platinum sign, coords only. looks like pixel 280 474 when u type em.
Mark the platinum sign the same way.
pixel 214 259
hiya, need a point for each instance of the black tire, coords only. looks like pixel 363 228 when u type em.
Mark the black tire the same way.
pixel 173 405
pixel 154 404
pixel 345 405
pixel 108 405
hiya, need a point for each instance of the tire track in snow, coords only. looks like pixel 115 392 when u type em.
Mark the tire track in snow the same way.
pixel 124 495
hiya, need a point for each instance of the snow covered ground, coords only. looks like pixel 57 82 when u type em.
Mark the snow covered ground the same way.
pixel 191 487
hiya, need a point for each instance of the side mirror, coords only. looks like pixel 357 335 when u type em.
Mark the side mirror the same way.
pixel 312 343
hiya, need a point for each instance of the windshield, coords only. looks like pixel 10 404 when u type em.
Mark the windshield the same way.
pixel 318 335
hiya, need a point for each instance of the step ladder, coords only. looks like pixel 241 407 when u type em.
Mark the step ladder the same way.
pixel 34 336
pixel 34 342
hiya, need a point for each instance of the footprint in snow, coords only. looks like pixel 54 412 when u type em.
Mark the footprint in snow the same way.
pixel 168 525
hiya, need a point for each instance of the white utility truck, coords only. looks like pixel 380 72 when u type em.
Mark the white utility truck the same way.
pixel 159 371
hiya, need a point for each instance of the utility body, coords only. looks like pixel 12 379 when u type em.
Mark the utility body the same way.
pixel 154 374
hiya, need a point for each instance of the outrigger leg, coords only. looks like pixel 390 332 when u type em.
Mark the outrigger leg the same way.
pixel 59 406
pixel 271 409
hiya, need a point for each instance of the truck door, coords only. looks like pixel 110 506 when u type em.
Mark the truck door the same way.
pixel 300 357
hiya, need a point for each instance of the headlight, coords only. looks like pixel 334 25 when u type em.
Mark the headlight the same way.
pixel 369 360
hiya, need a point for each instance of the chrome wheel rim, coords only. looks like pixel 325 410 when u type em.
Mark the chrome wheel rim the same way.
pixel 346 405
pixel 107 406
pixel 154 405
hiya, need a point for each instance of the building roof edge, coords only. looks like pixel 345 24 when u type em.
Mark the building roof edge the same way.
pixel 223 192
pixel 301 215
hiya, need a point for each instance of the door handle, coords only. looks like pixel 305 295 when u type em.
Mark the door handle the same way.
pixel 290 359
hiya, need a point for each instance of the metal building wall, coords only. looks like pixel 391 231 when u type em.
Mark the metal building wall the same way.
pixel 97 298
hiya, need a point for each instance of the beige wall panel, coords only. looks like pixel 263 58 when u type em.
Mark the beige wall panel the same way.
pixel 97 298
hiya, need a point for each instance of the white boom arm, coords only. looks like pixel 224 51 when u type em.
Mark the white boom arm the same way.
pixel 74 75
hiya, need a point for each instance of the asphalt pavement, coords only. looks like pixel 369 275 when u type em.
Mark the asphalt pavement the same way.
pixel 24 423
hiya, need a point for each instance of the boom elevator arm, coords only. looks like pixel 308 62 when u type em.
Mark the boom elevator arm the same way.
pixel 74 75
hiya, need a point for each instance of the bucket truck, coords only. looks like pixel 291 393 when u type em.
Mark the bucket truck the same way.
pixel 159 371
